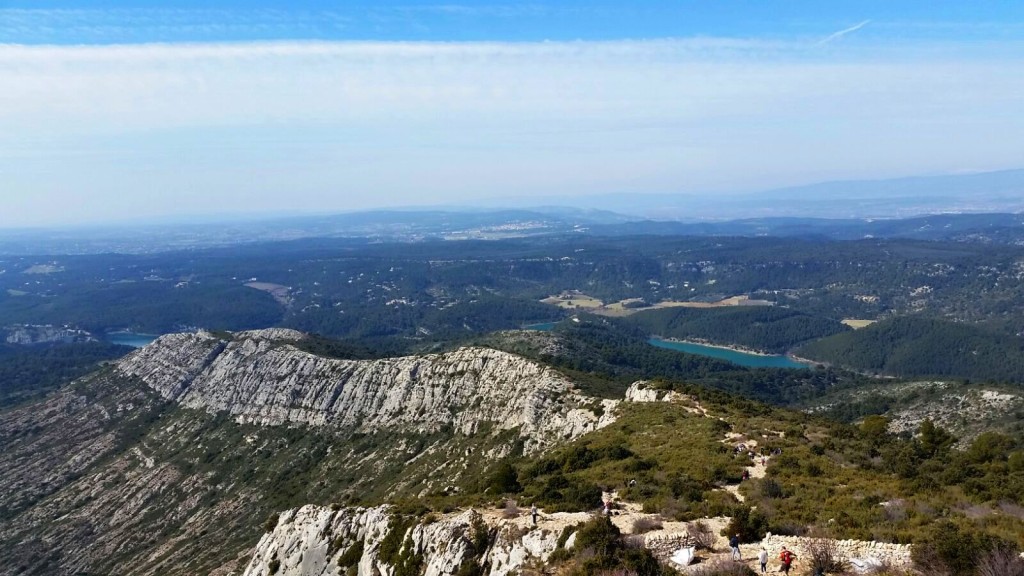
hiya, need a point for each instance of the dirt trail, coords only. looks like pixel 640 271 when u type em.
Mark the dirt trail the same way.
pixel 756 467
pixel 625 514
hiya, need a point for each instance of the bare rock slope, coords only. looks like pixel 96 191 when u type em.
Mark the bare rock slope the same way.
pixel 170 460
pixel 260 377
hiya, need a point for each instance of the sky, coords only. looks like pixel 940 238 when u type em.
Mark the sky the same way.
pixel 135 111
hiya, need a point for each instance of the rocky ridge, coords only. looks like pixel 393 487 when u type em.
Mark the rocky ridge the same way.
pixel 965 409
pixel 170 460
pixel 261 377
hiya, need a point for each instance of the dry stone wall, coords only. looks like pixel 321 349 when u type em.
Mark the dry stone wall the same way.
pixel 857 552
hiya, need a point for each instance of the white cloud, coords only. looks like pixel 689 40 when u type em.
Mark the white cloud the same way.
pixel 844 32
pixel 163 128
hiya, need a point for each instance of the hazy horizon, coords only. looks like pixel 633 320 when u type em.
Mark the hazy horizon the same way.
pixel 114 113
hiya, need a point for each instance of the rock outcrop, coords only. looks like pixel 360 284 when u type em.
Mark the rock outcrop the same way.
pixel 262 377
pixel 318 541
pixel 24 335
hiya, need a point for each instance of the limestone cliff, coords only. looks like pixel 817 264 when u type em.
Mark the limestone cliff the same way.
pixel 170 460
pixel 321 541
pixel 317 541
pixel 261 377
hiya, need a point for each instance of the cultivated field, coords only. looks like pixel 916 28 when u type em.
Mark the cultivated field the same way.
pixel 574 299
pixel 856 323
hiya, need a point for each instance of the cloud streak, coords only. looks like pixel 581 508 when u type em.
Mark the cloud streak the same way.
pixel 837 35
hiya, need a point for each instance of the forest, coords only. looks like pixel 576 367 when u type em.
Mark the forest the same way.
pixel 940 307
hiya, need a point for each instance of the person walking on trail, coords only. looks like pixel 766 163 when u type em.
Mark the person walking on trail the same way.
pixel 533 513
pixel 786 557
pixel 734 543
pixel 762 557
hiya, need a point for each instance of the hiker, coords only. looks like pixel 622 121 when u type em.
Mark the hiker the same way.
pixel 533 513
pixel 746 475
pixel 607 508
pixel 787 558
pixel 734 543
pixel 762 557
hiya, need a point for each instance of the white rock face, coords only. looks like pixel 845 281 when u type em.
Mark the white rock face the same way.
pixel 260 377
pixel 310 541
pixel 641 391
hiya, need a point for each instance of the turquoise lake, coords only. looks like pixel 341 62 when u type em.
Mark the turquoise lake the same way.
pixel 543 326
pixel 741 358
pixel 131 339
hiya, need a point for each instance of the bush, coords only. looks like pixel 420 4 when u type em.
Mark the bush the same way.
pixel 750 525
pixel 823 554
pixel 948 549
pixel 504 480
pixel 1001 561
pixel 352 556
pixel 511 510
pixel 702 535
pixel 600 549
pixel 770 488
pixel 599 535
pixel 560 495
pixel 646 524
pixel 271 523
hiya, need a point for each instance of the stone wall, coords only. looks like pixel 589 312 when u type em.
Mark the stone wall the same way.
pixel 854 551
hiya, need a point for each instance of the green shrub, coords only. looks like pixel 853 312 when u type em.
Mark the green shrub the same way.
pixel 566 533
pixel 504 479
pixel 599 535
pixel 271 523
pixel 391 545
pixel 946 547
pixel 351 556
pixel 750 525
pixel 771 489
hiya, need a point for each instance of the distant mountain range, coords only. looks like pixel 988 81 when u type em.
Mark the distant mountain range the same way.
pixel 977 207
pixel 1001 191
pixel 999 228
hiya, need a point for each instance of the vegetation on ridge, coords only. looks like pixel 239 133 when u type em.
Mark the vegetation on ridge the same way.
pixel 911 346
pixel 858 482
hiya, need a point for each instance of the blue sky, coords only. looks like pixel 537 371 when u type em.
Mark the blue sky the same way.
pixel 116 111
pixel 93 22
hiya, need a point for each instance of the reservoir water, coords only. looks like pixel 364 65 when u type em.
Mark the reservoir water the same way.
pixel 131 338
pixel 734 356
pixel 543 326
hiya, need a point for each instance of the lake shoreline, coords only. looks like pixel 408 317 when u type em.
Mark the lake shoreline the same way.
pixel 760 359
pixel 129 338
pixel 729 347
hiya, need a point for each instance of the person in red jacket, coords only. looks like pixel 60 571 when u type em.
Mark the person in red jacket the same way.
pixel 786 557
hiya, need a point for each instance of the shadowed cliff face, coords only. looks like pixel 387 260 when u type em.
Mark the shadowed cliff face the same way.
pixel 170 461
